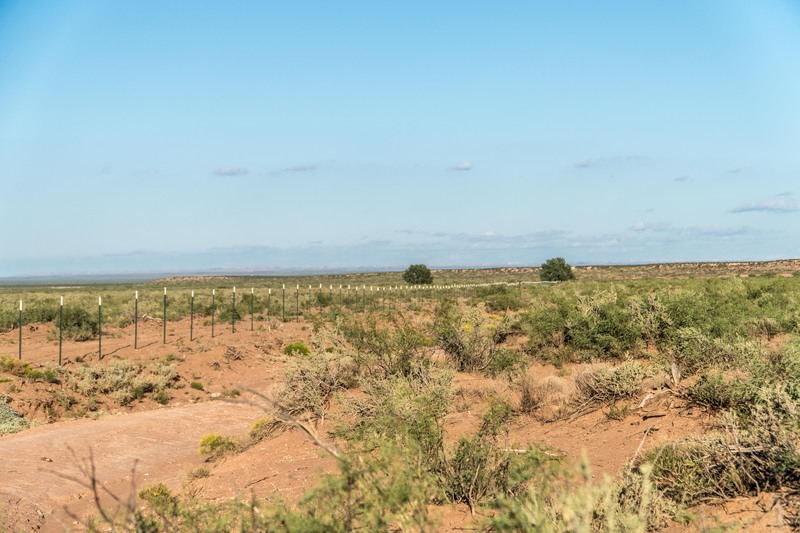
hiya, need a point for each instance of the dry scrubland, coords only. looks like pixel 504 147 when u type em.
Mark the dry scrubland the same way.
pixel 662 397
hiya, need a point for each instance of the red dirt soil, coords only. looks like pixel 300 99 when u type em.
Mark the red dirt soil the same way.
pixel 44 488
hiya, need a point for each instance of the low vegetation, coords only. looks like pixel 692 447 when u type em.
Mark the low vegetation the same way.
pixel 297 348
pixel 217 445
pixel 10 420
pixel 123 380
pixel 378 387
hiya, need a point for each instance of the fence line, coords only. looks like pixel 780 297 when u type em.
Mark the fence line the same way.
pixel 258 304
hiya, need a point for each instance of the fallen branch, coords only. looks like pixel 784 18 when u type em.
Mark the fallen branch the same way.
pixel 281 413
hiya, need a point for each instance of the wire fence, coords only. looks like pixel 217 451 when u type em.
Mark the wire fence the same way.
pixel 59 329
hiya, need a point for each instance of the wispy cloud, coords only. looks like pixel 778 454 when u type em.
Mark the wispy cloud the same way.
pixel 590 162
pixel 297 169
pixel 230 171
pixel 769 206
pixel 651 226
pixel 464 165
pixel 300 168
pixel 494 239
pixel 668 229
pixel 682 178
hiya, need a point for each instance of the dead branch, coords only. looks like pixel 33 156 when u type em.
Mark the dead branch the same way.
pixel 281 413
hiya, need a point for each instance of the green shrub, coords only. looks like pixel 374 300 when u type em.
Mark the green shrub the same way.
pixel 10 420
pixel 468 337
pixel 312 381
pixel 225 313
pixel 602 325
pixel 418 275
pixel 482 468
pixel 558 500
pixel 546 325
pixel 12 365
pixel 47 375
pixel 507 362
pixel 556 269
pixel 395 347
pixel 398 406
pixel 716 392
pixel 753 455
pixel 692 350
pixel 23 369
pixel 500 298
pixel 198 473
pixel 217 445
pixel 323 299
pixel 648 314
pixel 779 370
pixel 161 397
pixel 160 498
pixel 196 385
pixel 263 428
pixel 385 490
pixel 297 348
pixel 77 324
pixel 123 380
pixel 39 312
pixel 607 386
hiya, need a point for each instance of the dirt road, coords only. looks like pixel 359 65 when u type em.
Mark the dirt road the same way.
pixel 41 467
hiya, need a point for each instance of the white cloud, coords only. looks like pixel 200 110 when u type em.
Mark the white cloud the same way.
pixel 671 231
pixel 300 168
pixel 230 171
pixel 617 160
pixel 651 226
pixel 464 165
pixel 769 206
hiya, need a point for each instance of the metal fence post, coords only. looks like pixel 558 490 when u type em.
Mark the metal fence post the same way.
pixel 20 330
pixel 99 327
pixel 136 322
pixel 60 328
pixel 191 319
pixel 165 315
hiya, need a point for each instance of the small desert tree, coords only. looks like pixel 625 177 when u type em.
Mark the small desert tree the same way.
pixel 556 269
pixel 418 275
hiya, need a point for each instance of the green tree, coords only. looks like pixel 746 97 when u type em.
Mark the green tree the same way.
pixel 556 269
pixel 418 275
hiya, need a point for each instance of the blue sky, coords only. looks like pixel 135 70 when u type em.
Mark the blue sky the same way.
pixel 153 136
